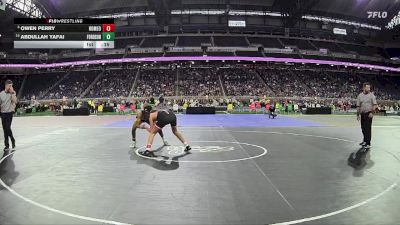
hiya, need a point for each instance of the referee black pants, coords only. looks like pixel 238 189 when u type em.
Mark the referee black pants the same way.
pixel 6 120
pixel 366 124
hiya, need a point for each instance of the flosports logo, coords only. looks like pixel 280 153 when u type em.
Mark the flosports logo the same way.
pixel 377 14
pixel 177 150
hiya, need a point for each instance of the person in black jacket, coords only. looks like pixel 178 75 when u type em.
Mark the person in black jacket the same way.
pixel 272 111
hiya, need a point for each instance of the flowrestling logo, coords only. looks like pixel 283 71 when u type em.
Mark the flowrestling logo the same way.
pixel 177 150
pixel 377 14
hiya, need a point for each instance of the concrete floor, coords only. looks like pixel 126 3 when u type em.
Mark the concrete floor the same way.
pixel 80 170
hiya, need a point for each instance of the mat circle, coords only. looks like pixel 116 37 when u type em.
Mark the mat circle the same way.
pixel 265 151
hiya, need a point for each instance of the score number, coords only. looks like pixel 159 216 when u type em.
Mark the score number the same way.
pixel 108 32
pixel 108 36
pixel 108 27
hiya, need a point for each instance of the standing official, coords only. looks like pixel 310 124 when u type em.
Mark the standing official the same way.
pixel 8 101
pixel 366 106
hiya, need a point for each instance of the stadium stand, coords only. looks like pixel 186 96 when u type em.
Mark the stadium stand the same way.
pixel 73 85
pixel 199 82
pixel 241 82
pixel 153 82
pixel 113 83
pixel 124 42
pixel 38 83
pixel 142 55
pixel 220 53
pixel 153 42
pixel 300 43
pixel 184 54
pixel 266 42
pixel 193 41
pixel 249 53
pixel 229 41
pixel 331 46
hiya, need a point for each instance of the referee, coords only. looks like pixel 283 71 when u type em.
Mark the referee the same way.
pixel 8 100
pixel 366 106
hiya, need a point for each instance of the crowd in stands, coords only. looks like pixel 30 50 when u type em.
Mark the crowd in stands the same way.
pixel 257 105
pixel 329 85
pixel 283 83
pixel 36 85
pixel 113 83
pixel 198 82
pixel 324 84
pixel 206 82
pixel 154 82
pixel 73 85
pixel 242 82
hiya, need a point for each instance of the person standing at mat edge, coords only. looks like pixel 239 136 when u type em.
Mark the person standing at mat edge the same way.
pixel 8 101
pixel 366 106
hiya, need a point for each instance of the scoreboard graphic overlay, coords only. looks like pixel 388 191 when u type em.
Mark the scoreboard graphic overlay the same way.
pixel 64 33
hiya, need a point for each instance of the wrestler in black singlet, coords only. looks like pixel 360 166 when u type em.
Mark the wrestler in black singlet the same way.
pixel 165 117
pixel 145 118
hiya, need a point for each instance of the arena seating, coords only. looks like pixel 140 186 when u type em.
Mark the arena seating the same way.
pixel 141 55
pixel 266 42
pixel 220 54
pixel 360 49
pixel 37 84
pixel 228 41
pixel 300 43
pixel 124 42
pixel 111 56
pixel 3 60
pixel 203 80
pixel 283 83
pixel 318 57
pixel 72 59
pixel 249 53
pixel 23 61
pixel 72 86
pixel 198 82
pixel 241 82
pixel 184 54
pixel 335 44
pixel 153 42
pixel 113 83
pixel 153 82
pixel 282 55
pixel 331 46
pixel 188 41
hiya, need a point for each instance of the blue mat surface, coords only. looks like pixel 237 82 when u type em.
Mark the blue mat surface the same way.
pixel 228 120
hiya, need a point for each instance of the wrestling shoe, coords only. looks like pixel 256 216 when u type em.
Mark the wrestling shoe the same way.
pixel 133 145
pixel 188 148
pixel 363 143
pixel 166 143
pixel 148 153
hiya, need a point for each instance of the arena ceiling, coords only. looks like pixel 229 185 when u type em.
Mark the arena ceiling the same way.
pixel 355 10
